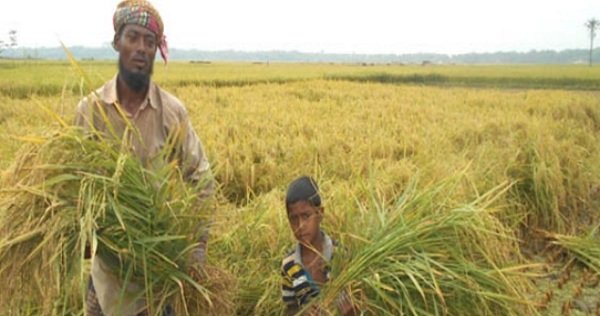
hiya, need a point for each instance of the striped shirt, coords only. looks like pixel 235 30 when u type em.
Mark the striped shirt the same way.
pixel 298 287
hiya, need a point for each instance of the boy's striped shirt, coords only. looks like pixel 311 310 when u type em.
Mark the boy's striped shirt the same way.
pixel 297 286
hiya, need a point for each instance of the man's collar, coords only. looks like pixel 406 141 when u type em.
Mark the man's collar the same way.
pixel 109 93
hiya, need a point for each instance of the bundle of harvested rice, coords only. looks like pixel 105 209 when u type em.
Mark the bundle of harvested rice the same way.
pixel 427 255
pixel 67 193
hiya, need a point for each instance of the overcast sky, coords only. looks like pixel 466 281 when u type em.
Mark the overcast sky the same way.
pixel 330 26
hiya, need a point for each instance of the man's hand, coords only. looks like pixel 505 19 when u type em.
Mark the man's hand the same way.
pixel 198 256
pixel 196 262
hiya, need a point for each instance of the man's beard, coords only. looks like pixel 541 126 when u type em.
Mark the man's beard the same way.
pixel 136 81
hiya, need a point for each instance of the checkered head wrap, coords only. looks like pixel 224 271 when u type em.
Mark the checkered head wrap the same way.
pixel 142 13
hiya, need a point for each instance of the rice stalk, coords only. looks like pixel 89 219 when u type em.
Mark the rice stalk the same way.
pixel 74 191
pixel 426 255
pixel 586 249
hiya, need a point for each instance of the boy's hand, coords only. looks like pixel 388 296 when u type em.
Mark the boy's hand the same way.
pixel 313 311
pixel 345 305
pixel 87 252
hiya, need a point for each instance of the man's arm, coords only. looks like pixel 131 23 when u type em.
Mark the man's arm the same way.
pixel 81 118
pixel 196 170
pixel 194 162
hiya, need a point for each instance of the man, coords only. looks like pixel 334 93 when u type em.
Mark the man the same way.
pixel 132 99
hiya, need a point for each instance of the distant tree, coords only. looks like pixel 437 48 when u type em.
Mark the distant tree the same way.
pixel 592 25
pixel 12 37
pixel 11 43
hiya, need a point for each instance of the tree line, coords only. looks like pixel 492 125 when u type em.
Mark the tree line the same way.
pixel 8 49
pixel 570 56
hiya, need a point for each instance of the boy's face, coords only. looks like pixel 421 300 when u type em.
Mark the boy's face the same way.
pixel 305 220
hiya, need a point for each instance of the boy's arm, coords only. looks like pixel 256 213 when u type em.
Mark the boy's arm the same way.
pixel 288 295
pixel 291 310
pixel 343 302
pixel 345 305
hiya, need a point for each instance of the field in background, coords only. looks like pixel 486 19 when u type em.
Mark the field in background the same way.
pixel 367 133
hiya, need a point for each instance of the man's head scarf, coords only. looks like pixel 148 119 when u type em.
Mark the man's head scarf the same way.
pixel 142 13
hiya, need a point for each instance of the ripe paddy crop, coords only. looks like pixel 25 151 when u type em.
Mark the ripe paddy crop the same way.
pixel 454 170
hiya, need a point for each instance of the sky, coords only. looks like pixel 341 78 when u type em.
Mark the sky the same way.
pixel 327 26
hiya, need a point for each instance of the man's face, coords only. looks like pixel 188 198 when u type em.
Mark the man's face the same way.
pixel 137 48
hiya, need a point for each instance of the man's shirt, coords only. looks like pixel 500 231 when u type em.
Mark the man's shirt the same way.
pixel 160 120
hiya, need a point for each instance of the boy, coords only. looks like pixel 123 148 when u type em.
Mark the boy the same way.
pixel 306 268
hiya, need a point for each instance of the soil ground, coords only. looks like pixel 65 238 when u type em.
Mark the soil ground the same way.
pixel 567 288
